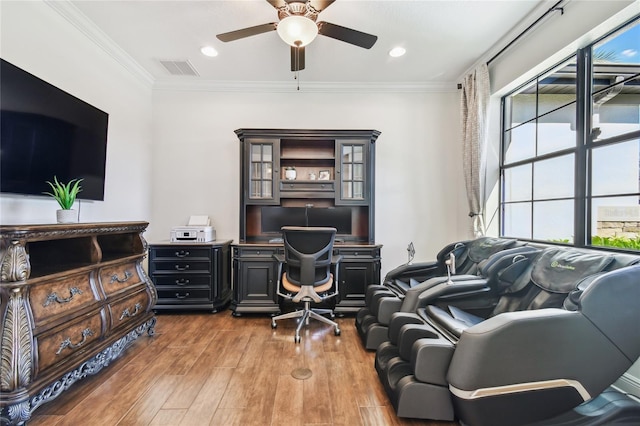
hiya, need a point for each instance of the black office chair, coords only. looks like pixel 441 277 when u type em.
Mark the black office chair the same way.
pixel 307 262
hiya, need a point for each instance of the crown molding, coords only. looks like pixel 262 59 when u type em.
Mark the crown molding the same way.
pixel 71 13
pixel 305 86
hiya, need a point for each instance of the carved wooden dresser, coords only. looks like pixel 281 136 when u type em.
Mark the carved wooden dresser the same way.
pixel 72 299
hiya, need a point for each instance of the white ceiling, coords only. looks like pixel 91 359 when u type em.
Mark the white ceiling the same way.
pixel 443 38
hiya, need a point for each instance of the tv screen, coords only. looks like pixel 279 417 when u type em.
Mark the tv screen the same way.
pixel 47 132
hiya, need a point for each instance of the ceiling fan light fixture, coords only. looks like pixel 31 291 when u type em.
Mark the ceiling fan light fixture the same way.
pixel 297 30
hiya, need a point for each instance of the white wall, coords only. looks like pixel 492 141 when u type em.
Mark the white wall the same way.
pixel 196 158
pixel 37 39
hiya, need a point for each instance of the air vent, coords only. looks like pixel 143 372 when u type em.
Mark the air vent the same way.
pixel 179 67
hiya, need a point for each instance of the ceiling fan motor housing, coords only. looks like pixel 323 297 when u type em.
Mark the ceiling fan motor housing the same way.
pixel 298 8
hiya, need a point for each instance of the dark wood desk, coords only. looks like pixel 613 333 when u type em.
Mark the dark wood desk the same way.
pixel 255 280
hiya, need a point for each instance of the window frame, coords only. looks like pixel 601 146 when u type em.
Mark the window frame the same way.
pixel 582 150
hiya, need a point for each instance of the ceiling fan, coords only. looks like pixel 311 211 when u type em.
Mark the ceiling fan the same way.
pixel 298 27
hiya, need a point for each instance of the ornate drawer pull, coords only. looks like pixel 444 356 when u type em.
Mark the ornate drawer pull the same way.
pixel 127 275
pixel 182 268
pixel 178 296
pixel 182 253
pixel 182 281
pixel 127 314
pixel 67 342
pixel 53 297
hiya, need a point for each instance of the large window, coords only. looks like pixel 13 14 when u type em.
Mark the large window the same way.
pixel 570 169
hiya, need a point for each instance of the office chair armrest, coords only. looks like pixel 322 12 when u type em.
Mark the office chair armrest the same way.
pixel 279 257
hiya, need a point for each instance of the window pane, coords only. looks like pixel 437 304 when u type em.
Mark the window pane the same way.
pixel 358 172
pixel 517 220
pixel 554 178
pixel 557 130
pixel 616 222
pixel 521 107
pixel 557 88
pixel 517 183
pixel 266 170
pixel 358 190
pixel 553 221
pixel 616 110
pixel 346 154
pixel 520 143
pixel 256 153
pixel 346 172
pixel 266 189
pixel 616 168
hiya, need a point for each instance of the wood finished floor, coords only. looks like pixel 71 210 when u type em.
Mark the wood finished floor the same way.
pixel 202 369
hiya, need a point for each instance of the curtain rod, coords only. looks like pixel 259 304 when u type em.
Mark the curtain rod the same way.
pixel 552 9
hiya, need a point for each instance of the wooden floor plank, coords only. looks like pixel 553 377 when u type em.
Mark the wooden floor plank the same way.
pixel 203 368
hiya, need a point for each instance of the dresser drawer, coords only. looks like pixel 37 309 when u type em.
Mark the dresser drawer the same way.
pixel 119 277
pixel 61 296
pixel 182 280
pixel 180 252
pixel 127 310
pixel 183 295
pixel 59 345
pixel 181 266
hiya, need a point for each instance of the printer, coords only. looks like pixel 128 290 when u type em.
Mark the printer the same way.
pixel 198 230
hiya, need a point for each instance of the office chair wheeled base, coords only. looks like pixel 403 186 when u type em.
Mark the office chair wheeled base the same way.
pixel 304 316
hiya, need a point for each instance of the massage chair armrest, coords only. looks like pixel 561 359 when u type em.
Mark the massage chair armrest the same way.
pixel 535 346
pixel 430 359
pixel 418 270
pixel 385 307
pixel 462 285
pixel 409 334
pixel 371 289
pixel 400 319
pixel 374 292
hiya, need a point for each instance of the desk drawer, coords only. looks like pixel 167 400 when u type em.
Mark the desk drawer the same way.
pixel 182 280
pixel 257 251
pixel 183 295
pixel 181 266
pixel 307 186
pixel 180 252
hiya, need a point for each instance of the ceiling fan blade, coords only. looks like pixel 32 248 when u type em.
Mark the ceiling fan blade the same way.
pixel 247 32
pixel 321 5
pixel 297 58
pixel 347 35
pixel 277 3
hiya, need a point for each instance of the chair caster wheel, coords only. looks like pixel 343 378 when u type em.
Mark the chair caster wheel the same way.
pixel 337 332
pixel 332 315
pixel 296 339
pixel 273 324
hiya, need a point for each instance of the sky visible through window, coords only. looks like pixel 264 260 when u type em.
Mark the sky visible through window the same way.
pixel 625 46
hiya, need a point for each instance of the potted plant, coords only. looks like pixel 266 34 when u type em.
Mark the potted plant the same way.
pixel 65 195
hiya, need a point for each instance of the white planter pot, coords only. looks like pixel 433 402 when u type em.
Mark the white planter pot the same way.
pixel 67 216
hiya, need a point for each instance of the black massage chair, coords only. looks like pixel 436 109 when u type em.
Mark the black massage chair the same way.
pixel 471 263
pixel 564 329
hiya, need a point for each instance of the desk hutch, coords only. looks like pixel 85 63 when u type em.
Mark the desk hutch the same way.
pixel 305 178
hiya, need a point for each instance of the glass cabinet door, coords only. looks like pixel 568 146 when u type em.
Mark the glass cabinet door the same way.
pixel 262 170
pixel 352 169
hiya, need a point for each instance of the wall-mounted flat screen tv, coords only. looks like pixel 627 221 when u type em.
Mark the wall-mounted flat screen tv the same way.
pixel 47 132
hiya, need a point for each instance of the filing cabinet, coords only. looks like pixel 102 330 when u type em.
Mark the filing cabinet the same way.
pixel 191 276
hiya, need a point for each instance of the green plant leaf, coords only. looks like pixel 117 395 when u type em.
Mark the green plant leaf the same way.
pixel 64 194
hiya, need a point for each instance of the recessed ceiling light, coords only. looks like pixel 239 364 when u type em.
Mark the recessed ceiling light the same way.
pixel 209 51
pixel 397 52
